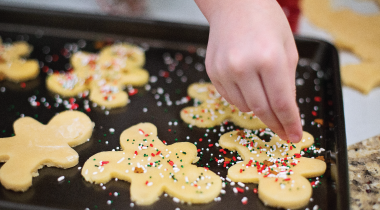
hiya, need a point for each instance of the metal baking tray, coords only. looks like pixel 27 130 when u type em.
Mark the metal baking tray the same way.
pixel 175 59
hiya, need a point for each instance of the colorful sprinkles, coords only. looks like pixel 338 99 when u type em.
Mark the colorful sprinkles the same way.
pixel 210 153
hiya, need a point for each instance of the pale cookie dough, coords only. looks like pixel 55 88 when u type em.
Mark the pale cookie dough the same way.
pixel 154 168
pixel 354 32
pixel 36 145
pixel 214 110
pixel 104 75
pixel 12 66
pixel 363 77
pixel 277 166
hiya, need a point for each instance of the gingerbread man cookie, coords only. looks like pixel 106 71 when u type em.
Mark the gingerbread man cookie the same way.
pixel 355 32
pixel 36 145
pixel 215 109
pixel 152 168
pixel 105 75
pixel 277 166
pixel 12 66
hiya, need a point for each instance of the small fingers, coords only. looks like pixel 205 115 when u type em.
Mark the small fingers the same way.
pixel 257 101
pixel 281 97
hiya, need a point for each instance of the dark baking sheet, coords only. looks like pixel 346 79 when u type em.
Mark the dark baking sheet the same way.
pixel 175 58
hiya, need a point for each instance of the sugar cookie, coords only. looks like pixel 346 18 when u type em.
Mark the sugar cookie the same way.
pixel 12 66
pixel 354 32
pixel 363 77
pixel 36 145
pixel 104 75
pixel 154 168
pixel 215 109
pixel 277 166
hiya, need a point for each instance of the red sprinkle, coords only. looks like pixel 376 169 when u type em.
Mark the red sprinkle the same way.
pixel 210 145
pixel 133 92
pixel 136 153
pixel 102 163
pixel 22 84
pixel 254 190
pixel 171 163
pixel 287 179
pixel 317 99
pixel 240 190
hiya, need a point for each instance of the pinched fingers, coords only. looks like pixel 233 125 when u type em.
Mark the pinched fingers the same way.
pixel 280 90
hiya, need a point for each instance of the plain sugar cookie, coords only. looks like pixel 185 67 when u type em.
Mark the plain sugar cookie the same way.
pixel 36 145
pixel 154 168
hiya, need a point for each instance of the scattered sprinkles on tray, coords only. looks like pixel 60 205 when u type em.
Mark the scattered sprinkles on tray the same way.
pixel 177 71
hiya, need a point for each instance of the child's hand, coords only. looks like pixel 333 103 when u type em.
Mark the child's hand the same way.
pixel 251 60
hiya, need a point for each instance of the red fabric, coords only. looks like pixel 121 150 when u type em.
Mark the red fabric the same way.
pixel 292 11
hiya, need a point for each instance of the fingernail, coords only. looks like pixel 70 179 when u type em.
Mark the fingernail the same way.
pixel 294 138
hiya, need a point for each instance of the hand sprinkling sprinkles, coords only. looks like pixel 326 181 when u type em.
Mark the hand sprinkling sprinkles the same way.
pixel 35 145
pixel 12 66
pixel 277 166
pixel 214 109
pixel 104 74
pixel 154 168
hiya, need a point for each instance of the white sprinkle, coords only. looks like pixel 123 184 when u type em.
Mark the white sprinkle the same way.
pixel 109 202
pixel 235 190
pixel 176 200
pixel 132 205
pixel 241 184
pixel 61 178
pixel 121 160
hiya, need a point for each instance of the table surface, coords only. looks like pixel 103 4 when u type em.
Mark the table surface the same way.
pixel 361 111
